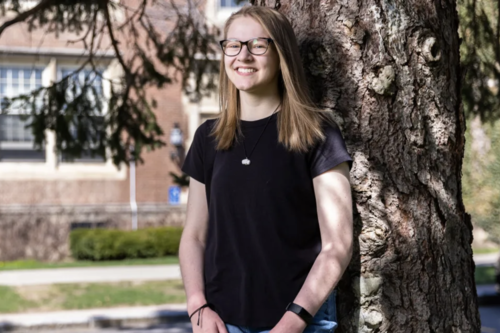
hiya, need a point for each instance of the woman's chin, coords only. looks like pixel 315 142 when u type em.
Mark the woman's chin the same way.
pixel 244 88
pixel 247 88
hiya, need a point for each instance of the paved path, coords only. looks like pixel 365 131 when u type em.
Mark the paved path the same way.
pixel 124 273
pixel 490 321
pixel 159 328
pixel 485 290
pixel 89 274
pixel 488 259
pixel 169 313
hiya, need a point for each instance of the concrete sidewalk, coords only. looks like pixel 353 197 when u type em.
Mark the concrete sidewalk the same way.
pixel 89 275
pixel 488 259
pixel 125 273
pixel 94 318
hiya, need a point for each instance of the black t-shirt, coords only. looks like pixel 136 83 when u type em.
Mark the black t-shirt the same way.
pixel 263 232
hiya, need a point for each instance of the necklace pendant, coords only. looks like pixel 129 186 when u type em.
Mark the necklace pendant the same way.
pixel 246 161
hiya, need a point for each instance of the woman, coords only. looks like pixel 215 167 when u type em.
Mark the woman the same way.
pixel 268 231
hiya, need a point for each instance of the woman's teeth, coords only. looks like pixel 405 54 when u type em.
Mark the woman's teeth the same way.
pixel 245 70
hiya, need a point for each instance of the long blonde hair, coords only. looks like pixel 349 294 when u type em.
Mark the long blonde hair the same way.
pixel 299 121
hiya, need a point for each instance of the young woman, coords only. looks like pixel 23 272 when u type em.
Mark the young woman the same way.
pixel 269 218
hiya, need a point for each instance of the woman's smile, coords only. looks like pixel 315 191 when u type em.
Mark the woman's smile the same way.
pixel 245 71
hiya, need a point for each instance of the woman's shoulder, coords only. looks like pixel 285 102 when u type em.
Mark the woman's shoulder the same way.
pixel 332 136
pixel 204 134
pixel 330 128
pixel 205 128
pixel 210 123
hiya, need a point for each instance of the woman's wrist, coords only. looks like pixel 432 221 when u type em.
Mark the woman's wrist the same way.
pixel 195 301
pixel 290 322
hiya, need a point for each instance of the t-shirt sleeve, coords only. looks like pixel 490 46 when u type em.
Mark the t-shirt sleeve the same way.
pixel 194 164
pixel 330 152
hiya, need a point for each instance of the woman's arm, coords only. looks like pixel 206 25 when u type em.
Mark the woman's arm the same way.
pixel 191 251
pixel 192 245
pixel 334 204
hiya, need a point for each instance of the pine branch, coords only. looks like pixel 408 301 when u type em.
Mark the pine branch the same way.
pixel 114 42
pixel 44 4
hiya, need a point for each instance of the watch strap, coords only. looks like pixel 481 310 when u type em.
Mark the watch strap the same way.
pixel 300 311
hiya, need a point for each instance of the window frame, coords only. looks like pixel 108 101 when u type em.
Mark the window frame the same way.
pixel 63 70
pixel 52 169
pixel 24 148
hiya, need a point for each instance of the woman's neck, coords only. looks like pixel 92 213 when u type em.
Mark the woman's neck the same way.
pixel 257 107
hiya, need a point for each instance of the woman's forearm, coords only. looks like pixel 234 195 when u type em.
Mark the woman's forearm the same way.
pixel 322 278
pixel 191 262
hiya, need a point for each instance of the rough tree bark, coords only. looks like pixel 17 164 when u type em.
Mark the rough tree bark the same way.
pixel 391 71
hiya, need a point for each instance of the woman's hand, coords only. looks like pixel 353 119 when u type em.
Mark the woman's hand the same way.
pixel 210 322
pixel 289 323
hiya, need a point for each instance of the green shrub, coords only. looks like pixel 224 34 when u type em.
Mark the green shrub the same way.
pixel 111 244
pixel 166 240
pixel 81 244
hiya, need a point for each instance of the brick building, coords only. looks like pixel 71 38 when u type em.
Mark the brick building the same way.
pixel 42 194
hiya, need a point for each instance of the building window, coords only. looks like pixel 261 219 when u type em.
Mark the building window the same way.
pixel 74 85
pixel 230 3
pixel 87 156
pixel 16 140
pixel 77 80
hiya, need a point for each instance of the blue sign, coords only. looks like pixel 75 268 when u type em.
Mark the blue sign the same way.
pixel 174 195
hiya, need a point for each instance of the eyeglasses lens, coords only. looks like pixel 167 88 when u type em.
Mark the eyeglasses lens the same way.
pixel 255 46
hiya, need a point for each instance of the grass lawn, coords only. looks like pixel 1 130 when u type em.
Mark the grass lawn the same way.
pixel 485 250
pixel 12 301
pixel 32 264
pixel 101 295
pixel 89 295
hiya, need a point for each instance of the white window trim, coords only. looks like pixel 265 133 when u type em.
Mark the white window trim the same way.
pixel 76 171
pixel 51 169
pixel 216 14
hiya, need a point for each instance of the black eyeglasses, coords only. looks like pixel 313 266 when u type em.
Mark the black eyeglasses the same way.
pixel 256 46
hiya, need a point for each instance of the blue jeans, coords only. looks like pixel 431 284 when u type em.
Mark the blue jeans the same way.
pixel 325 320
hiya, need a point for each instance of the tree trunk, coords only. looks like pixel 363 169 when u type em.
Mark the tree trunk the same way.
pixel 391 72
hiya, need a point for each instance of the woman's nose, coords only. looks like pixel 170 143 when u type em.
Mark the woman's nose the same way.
pixel 244 53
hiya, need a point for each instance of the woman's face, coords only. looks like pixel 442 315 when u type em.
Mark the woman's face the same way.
pixel 265 67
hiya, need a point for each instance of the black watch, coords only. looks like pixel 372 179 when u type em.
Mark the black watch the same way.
pixel 300 311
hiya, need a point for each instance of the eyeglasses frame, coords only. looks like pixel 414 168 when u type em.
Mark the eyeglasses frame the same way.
pixel 269 41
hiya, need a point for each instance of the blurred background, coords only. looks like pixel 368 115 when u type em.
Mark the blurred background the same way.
pixel 98 108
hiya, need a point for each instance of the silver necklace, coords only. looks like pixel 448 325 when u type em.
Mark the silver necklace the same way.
pixel 246 161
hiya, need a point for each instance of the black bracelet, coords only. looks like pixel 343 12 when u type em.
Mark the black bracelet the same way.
pixel 199 312
pixel 300 311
